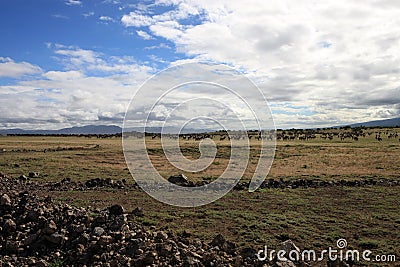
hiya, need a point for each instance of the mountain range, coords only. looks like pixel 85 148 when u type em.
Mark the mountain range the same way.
pixel 88 129
pixel 379 123
pixel 113 129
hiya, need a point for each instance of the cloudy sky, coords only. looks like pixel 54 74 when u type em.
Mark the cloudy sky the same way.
pixel 77 62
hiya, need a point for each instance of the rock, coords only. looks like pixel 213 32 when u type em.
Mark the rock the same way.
pixel 50 228
pixel 55 238
pixel 337 263
pixel 164 249
pixel 218 241
pixel 288 246
pixel 33 175
pixel 161 235
pixel 248 253
pixel 179 179
pixel 138 211
pixel 66 181
pixel 98 231
pixel 191 261
pixel 78 228
pixel 285 264
pixel 116 209
pixel 80 248
pixel 23 178
pixel 105 240
pixel 31 261
pixel 5 200
pixel 149 258
pixel 11 246
pixel 42 263
pixel 9 227
pixel 29 239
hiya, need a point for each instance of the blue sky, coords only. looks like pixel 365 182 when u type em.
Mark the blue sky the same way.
pixel 78 62
pixel 30 26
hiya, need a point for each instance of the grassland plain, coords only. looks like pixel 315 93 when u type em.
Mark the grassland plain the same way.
pixel 314 218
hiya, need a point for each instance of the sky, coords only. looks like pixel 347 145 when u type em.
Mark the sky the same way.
pixel 79 62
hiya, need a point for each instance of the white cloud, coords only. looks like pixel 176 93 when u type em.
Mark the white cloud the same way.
pixel 75 56
pixel 88 14
pixel 73 2
pixel 59 16
pixel 9 68
pixel 144 35
pixel 135 19
pixel 94 89
pixel 106 18
pixel 161 45
pixel 339 58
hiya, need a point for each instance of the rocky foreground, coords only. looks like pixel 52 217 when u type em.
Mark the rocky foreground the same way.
pixel 35 231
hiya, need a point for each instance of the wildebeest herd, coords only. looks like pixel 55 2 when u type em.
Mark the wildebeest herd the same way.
pixel 354 134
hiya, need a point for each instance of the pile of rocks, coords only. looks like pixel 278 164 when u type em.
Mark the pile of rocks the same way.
pixel 38 232
pixel 309 183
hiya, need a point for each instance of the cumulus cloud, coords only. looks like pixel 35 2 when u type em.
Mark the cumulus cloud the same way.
pixel 12 69
pixel 338 58
pixel 93 89
pixel 136 19
pixel 318 63
pixel 144 35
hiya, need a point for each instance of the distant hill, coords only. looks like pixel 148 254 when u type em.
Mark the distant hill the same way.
pixel 379 123
pixel 113 129
pixel 169 130
pixel 97 129
pixel 88 129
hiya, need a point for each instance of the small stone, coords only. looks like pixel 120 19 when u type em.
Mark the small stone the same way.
pixel 138 211
pixel 149 258
pixel 31 261
pixel 79 228
pixel 164 249
pixel 5 200
pixel 161 235
pixel 288 246
pixel 116 209
pixel 179 179
pixel 50 228
pixel 248 252
pixel 80 248
pixel 286 263
pixel 42 263
pixel 33 175
pixel 29 239
pixel 218 241
pixel 105 240
pixel 23 178
pixel 98 231
pixel 11 246
pixel 55 238
pixel 337 263
pixel 9 226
